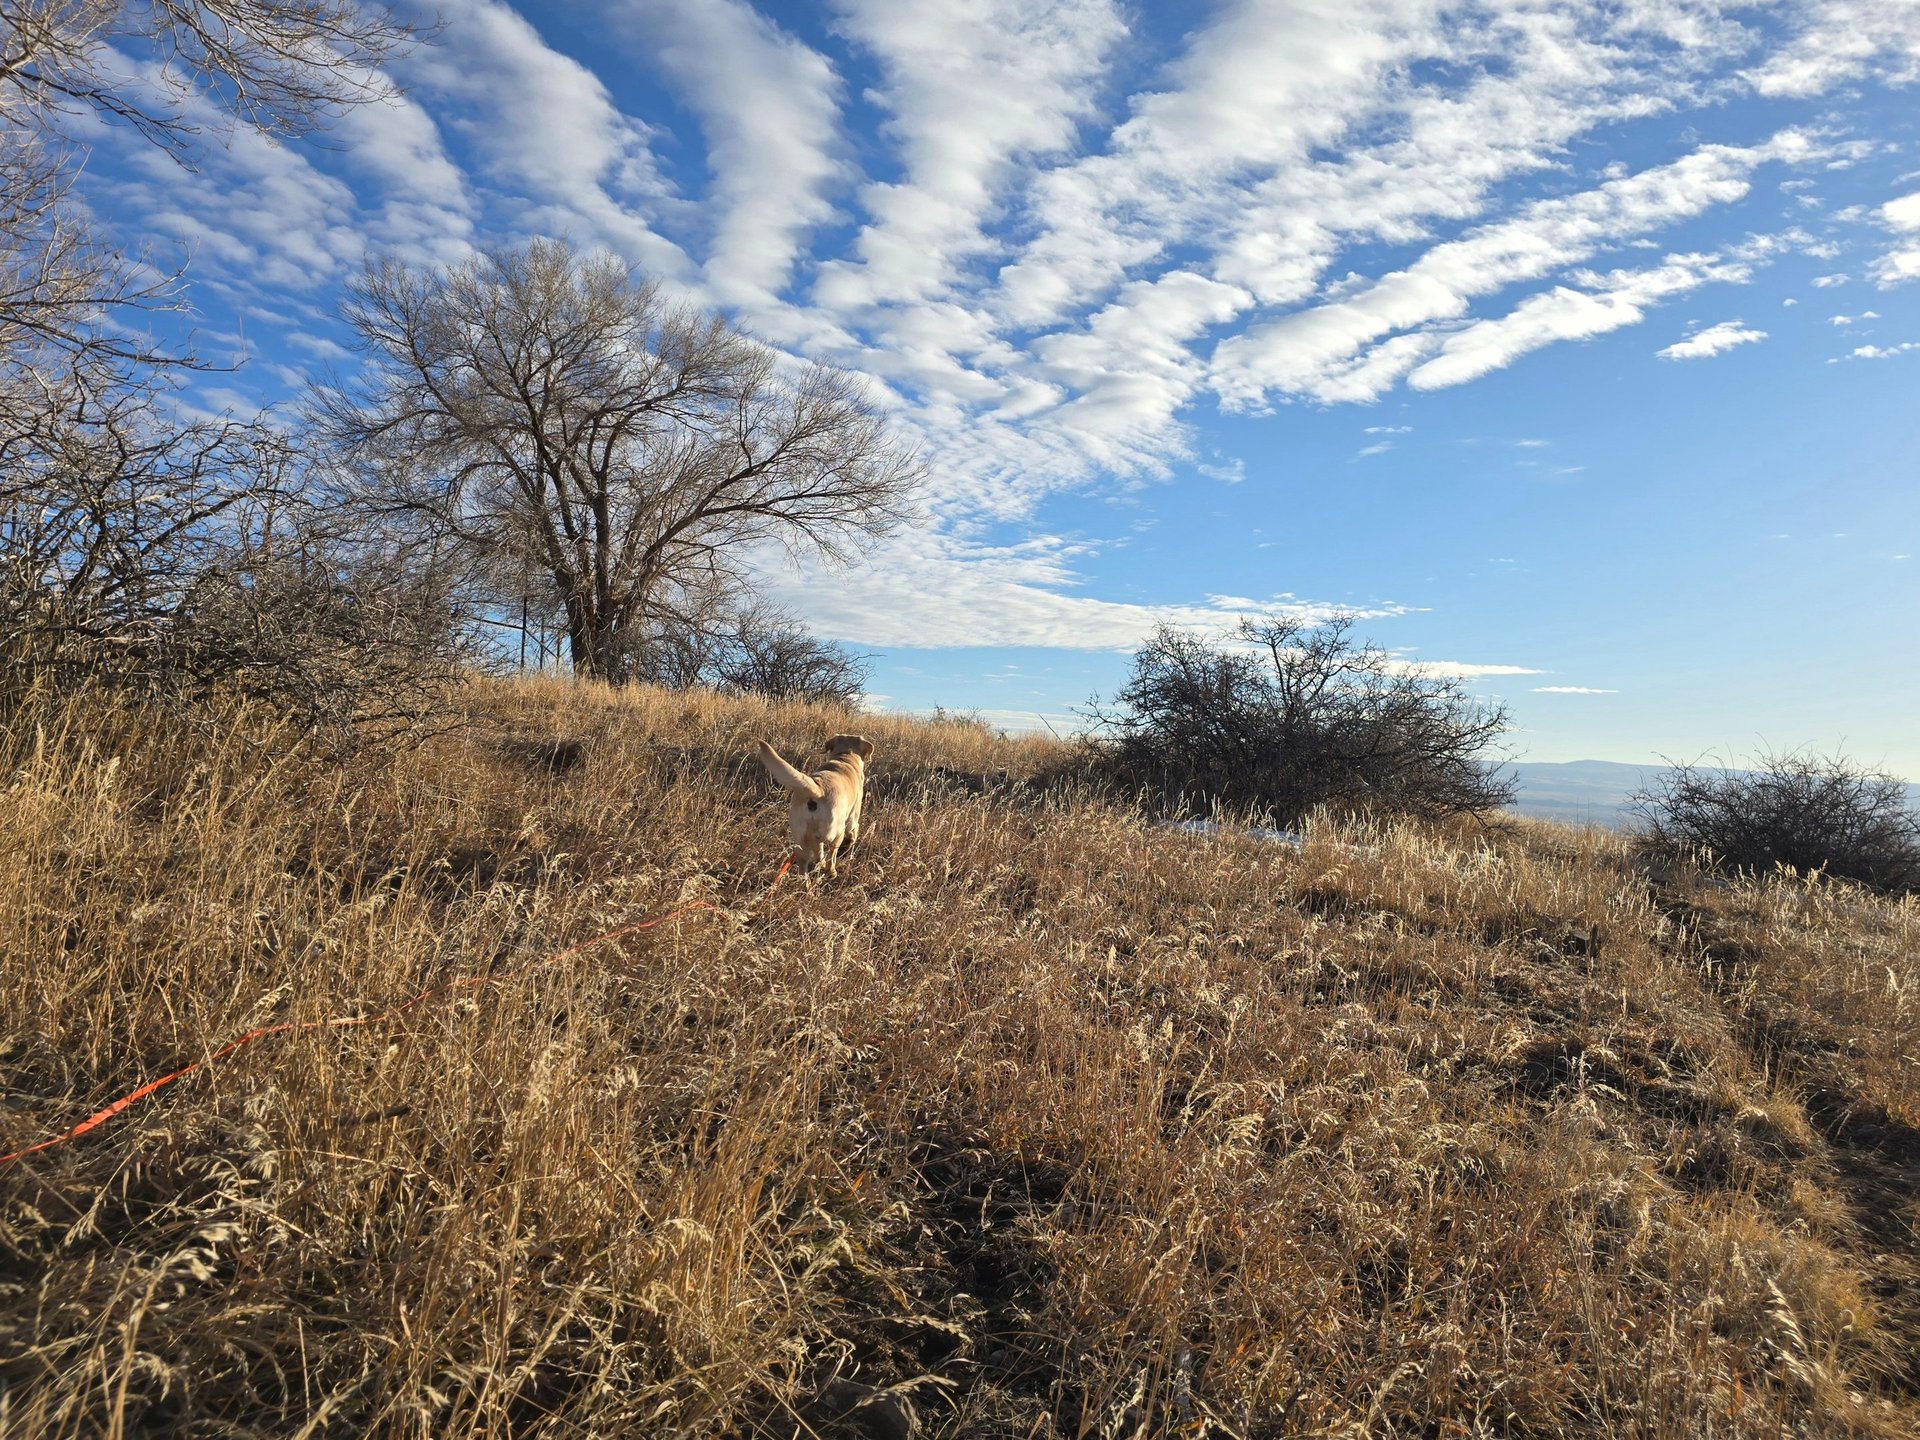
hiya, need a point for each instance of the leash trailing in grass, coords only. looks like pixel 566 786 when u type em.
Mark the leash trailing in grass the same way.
pixel 340 1022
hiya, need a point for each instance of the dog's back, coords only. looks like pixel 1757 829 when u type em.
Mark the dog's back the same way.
pixel 823 813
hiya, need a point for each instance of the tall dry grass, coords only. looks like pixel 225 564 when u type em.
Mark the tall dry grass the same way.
pixel 1037 1121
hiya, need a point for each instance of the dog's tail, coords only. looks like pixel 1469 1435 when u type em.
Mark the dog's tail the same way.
pixel 785 776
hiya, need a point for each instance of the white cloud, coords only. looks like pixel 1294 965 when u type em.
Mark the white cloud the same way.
pixel 1836 41
pixel 938 591
pixel 1130 369
pixel 1853 319
pixel 1563 313
pixel 1321 351
pixel 255 213
pixel 1571 690
pixel 1534 79
pixel 1714 340
pixel 769 108
pixel 975 89
pixel 319 345
pixel 545 126
pixel 428 209
pixel 1825 282
pixel 1883 352
pixel 1902 216
pixel 1379 447
pixel 1045 260
pixel 1255 90
pixel 1459 669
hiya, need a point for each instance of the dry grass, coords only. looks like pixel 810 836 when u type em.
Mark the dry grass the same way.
pixel 1038 1121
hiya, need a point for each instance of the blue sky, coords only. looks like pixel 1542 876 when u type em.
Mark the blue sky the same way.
pixel 1575 346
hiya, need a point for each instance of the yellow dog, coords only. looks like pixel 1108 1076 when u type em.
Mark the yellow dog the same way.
pixel 823 815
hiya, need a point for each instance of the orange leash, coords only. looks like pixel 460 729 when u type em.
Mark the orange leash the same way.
pixel 100 1117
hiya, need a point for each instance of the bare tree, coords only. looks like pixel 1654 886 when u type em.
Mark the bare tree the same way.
pixel 1297 717
pixel 177 558
pixel 277 66
pixel 136 543
pixel 109 507
pixel 552 413
pixel 1807 812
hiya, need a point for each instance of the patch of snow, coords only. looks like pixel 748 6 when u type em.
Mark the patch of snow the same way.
pixel 1213 829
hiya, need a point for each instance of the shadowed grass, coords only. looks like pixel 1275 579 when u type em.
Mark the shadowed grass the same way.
pixel 1038 1121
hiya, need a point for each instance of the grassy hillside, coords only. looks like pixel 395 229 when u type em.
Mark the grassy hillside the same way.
pixel 1037 1121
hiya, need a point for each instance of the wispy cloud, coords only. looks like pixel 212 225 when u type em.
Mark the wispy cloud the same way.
pixel 974 92
pixel 1459 669
pixel 1879 352
pixel 543 126
pixel 1714 340
pixel 1835 41
pixel 1253 92
pixel 939 591
pixel 1607 303
pixel 769 107
pixel 1324 351
pixel 262 215
pixel 1050 246
pixel 1571 690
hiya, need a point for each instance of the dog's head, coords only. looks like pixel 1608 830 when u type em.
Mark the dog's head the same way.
pixel 850 745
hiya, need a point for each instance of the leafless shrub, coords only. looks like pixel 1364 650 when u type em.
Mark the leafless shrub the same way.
pixel 1297 718
pixel 1804 811
pixel 140 546
pixel 339 637
pixel 753 649
pixel 109 508
pixel 175 557
pixel 232 591
pixel 553 415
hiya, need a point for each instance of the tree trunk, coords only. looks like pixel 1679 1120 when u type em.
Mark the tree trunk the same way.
pixel 580 648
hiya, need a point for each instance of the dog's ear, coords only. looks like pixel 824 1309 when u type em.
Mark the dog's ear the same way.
pixel 866 747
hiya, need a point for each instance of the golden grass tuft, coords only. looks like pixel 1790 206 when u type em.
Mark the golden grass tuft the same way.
pixel 1038 1121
